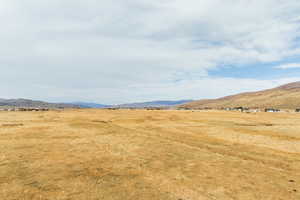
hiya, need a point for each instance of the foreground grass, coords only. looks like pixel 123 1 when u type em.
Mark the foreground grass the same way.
pixel 178 155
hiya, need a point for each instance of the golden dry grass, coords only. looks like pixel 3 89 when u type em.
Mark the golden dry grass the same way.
pixel 273 98
pixel 168 155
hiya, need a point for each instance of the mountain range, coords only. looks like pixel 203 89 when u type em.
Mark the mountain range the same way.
pixel 90 105
pixel 154 104
pixel 27 103
pixel 133 105
pixel 282 97
pixel 41 104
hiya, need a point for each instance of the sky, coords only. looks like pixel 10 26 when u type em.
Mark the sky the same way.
pixel 124 51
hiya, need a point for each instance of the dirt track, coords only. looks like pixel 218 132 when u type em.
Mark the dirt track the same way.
pixel 178 155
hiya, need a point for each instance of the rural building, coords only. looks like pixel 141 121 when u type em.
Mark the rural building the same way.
pixel 272 110
pixel 241 109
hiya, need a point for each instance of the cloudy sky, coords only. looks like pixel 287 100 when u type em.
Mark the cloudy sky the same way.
pixel 139 50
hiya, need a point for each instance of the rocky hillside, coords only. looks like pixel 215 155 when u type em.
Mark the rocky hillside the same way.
pixel 283 97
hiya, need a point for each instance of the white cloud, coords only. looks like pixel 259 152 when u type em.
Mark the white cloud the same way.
pixel 288 66
pixel 105 47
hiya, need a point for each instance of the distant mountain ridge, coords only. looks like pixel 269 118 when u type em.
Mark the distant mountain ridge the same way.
pixel 133 105
pixel 27 103
pixel 153 104
pixel 90 105
pixel 283 97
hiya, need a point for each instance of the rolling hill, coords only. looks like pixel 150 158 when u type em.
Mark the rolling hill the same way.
pixel 156 104
pixel 153 104
pixel 42 104
pixel 27 103
pixel 282 97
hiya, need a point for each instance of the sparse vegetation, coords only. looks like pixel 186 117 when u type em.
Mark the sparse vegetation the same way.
pixel 283 97
pixel 139 154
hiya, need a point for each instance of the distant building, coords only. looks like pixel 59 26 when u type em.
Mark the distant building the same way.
pixel 241 109
pixel 272 110
pixel 297 110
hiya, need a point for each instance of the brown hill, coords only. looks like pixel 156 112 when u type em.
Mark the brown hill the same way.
pixel 283 97
pixel 27 103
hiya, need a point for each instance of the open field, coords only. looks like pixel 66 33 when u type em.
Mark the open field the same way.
pixel 168 155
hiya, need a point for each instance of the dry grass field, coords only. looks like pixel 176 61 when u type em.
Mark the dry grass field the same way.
pixel 167 155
